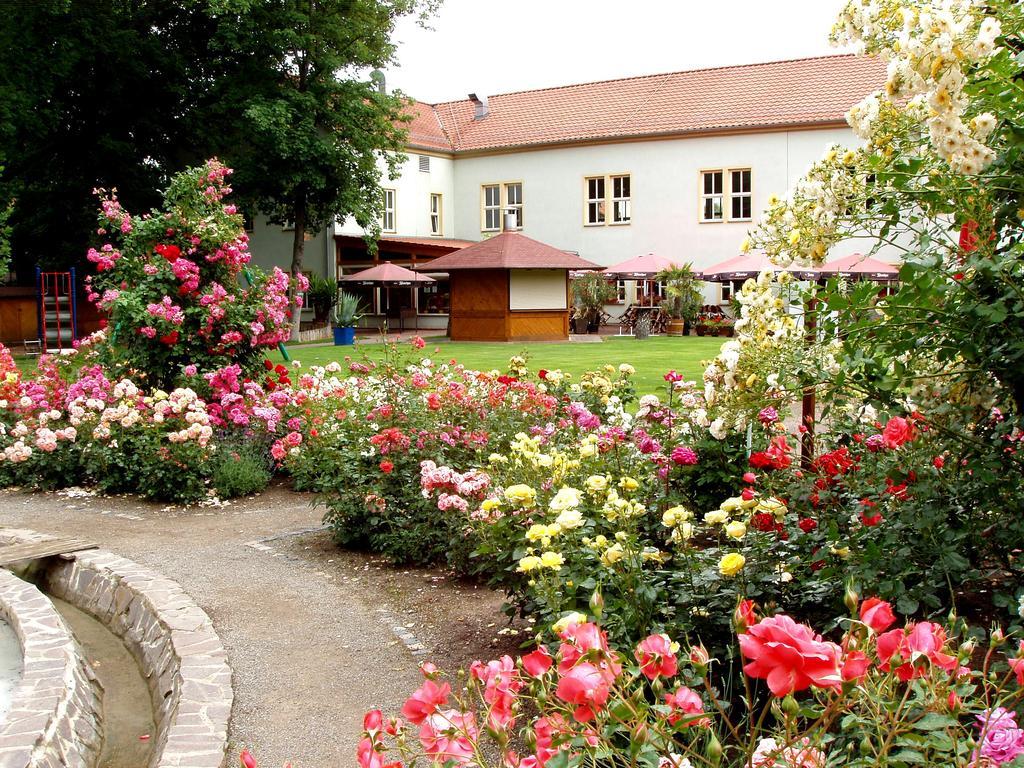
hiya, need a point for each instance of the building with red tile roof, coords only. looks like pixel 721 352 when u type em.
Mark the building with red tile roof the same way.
pixel 678 164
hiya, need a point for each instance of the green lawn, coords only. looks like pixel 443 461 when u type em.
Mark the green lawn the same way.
pixel 651 357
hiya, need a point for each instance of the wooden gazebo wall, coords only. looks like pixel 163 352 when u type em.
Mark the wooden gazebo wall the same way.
pixel 480 311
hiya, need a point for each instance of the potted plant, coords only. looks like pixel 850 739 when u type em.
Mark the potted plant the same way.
pixel 683 298
pixel 591 293
pixel 321 295
pixel 346 313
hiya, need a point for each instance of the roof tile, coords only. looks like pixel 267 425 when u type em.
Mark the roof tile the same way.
pixel 773 94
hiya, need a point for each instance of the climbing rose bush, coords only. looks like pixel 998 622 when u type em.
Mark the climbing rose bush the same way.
pixel 884 694
pixel 176 286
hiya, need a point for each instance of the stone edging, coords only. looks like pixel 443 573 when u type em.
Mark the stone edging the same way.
pixel 54 718
pixel 172 639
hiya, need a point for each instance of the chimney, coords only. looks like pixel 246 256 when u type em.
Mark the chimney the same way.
pixel 510 223
pixel 479 107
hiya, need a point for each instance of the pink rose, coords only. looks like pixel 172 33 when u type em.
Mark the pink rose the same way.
pixel 656 656
pixel 915 640
pixel 425 701
pixel 587 688
pixel 685 703
pixel 537 663
pixel 790 656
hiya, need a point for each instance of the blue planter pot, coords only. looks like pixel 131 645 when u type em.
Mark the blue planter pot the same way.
pixel 344 337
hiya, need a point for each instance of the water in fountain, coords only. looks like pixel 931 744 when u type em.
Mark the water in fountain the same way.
pixel 10 666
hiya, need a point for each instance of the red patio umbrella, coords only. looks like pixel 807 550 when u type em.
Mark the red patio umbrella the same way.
pixel 857 266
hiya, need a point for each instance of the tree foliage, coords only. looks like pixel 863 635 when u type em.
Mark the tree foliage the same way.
pixel 110 92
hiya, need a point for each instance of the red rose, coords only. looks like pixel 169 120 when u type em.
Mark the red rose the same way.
pixel 877 614
pixel 749 477
pixel 744 616
pixel 790 656
pixel 542 373
pixel 808 524
pixel 939 462
pixel 169 252
pixel 537 663
pixel 268 365
pixel 386 467
pixel 855 666
pixel 170 339
pixel 898 431
pixel 968 238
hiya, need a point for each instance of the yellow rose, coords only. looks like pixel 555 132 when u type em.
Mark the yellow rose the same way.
pixel 612 555
pixel 570 618
pixel 628 484
pixel 570 518
pixel 716 517
pixel 597 483
pixel 683 533
pixel 529 563
pixel 588 450
pixel 731 504
pixel 626 369
pixel 552 560
pixel 521 494
pixel 537 531
pixel 794 237
pixel 490 504
pixel 731 564
pixel 735 530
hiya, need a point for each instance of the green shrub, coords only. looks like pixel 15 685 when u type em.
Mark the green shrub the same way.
pixel 239 471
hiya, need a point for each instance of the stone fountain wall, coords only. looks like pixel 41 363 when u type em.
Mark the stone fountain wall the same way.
pixel 172 639
pixel 54 718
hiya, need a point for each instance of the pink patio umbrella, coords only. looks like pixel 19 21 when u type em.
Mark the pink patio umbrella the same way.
pixel 857 266
pixel 386 275
pixel 642 268
pixel 748 265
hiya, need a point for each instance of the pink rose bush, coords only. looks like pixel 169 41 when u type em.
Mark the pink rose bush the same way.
pixel 171 283
pixel 585 702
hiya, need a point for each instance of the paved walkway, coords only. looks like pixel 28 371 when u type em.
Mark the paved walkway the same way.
pixel 308 653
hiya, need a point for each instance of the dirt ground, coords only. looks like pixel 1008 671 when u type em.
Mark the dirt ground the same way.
pixel 310 630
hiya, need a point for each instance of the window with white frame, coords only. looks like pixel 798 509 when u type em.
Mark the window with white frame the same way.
pixel 740 207
pixel 595 200
pixel 491 207
pixel 608 193
pixel 621 203
pixel 435 214
pixel 514 201
pixel 711 197
pixel 388 220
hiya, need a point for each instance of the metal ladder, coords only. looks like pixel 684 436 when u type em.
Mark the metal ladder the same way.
pixel 57 308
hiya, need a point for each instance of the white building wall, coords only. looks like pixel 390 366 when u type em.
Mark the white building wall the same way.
pixel 665 179
pixel 413 188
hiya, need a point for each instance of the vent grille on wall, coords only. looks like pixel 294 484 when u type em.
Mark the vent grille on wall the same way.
pixel 425 163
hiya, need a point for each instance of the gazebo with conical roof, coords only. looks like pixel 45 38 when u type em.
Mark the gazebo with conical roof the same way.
pixel 509 288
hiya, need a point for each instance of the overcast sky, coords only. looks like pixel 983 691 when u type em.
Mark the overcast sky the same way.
pixel 488 46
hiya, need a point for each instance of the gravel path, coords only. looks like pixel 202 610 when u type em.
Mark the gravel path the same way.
pixel 309 650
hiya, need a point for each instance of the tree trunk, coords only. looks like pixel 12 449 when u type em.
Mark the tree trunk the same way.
pixel 298 250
